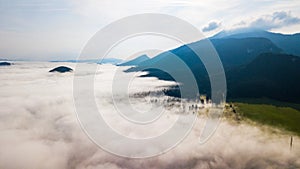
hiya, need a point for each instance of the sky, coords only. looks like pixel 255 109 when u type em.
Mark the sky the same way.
pixel 59 29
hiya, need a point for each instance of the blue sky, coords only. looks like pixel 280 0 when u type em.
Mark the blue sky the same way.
pixel 59 29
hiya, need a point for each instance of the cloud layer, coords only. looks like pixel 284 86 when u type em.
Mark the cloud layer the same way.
pixel 39 129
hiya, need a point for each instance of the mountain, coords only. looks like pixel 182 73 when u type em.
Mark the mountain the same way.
pixel 61 69
pixel 113 61
pixel 229 33
pixel 235 52
pixel 135 61
pixel 232 52
pixel 182 60
pixel 5 63
pixel 288 43
pixel 254 67
pixel 270 75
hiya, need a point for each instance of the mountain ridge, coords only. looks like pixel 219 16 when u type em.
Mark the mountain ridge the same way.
pixel 135 61
pixel 254 67
pixel 287 42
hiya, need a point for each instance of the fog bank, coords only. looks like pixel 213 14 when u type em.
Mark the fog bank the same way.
pixel 39 129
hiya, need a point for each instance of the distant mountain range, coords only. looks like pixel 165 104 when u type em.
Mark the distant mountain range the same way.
pixel 113 61
pixel 256 63
pixel 135 61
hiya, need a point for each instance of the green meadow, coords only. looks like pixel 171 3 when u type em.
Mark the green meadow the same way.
pixel 269 112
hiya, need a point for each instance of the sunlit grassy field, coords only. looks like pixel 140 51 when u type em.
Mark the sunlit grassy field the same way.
pixel 274 113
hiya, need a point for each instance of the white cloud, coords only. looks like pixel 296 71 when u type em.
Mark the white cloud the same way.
pixel 213 25
pixel 275 20
pixel 39 129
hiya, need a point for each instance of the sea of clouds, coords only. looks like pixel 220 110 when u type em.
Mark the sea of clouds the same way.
pixel 39 128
